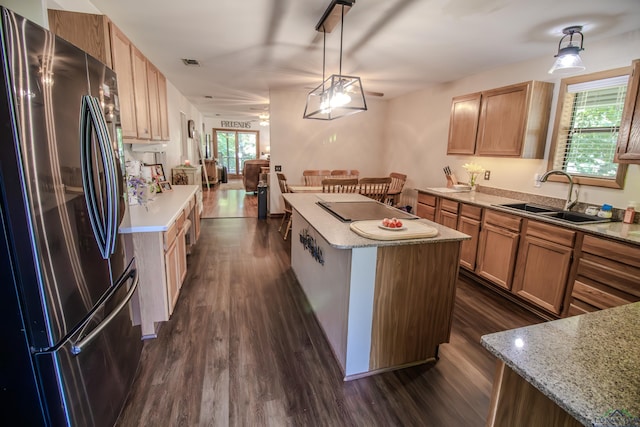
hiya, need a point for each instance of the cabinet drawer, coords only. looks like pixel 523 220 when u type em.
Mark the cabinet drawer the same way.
pixel 180 219
pixel 427 199
pixel 622 277
pixel 609 249
pixel 503 220
pixel 596 297
pixel 470 211
pixel 426 211
pixel 551 233
pixel 449 205
pixel 170 235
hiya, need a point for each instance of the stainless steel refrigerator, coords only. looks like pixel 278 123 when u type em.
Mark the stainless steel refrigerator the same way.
pixel 69 351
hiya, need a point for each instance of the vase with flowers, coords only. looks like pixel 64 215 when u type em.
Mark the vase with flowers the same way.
pixel 140 190
pixel 473 170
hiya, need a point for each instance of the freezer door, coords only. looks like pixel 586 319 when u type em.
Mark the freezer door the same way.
pixel 61 270
pixel 91 373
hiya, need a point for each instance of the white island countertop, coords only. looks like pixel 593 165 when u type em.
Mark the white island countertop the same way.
pixel 160 212
pixel 339 235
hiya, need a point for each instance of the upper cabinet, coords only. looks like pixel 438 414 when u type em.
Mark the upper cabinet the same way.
pixel 510 121
pixel 628 150
pixel 142 88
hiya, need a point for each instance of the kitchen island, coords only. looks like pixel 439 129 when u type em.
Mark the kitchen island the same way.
pixel 583 370
pixel 382 304
pixel 160 232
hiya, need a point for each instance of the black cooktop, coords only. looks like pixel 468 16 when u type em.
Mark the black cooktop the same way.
pixel 366 210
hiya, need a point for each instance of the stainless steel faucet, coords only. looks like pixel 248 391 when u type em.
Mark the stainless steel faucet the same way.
pixel 569 203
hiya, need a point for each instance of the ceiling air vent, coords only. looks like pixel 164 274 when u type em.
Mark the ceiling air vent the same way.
pixel 190 62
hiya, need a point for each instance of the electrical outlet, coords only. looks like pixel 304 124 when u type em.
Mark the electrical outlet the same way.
pixel 487 175
pixel 278 168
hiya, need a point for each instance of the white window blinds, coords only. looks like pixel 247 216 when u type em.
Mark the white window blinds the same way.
pixel 589 126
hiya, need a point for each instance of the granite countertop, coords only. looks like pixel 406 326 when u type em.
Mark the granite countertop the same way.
pixel 628 233
pixel 160 212
pixel 588 364
pixel 339 235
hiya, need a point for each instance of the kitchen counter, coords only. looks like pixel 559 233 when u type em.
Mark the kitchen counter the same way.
pixel 628 233
pixel 160 212
pixel 339 235
pixel 588 365
pixel 382 304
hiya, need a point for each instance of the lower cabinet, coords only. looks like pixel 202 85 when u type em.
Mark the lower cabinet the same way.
pixel 544 264
pixel 175 259
pixel 498 247
pixel 469 223
pixel 448 213
pixel 426 206
pixel 608 275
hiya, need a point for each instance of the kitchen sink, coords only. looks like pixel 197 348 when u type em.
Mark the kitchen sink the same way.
pixel 575 217
pixel 550 212
pixel 530 207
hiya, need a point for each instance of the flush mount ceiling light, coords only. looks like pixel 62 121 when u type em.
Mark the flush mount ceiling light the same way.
pixel 264 119
pixel 338 95
pixel 568 59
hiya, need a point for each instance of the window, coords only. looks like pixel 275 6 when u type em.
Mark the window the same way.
pixel 587 125
pixel 233 147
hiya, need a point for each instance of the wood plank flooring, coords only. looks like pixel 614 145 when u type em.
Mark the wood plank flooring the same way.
pixel 229 201
pixel 243 349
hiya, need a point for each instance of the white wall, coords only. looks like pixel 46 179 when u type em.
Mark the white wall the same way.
pixel 352 142
pixel 33 10
pixel 417 128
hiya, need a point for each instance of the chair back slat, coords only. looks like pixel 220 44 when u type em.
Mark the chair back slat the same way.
pixel 375 188
pixel 345 173
pixel 314 177
pixel 340 185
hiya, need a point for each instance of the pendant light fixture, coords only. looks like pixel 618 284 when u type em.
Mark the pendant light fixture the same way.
pixel 568 59
pixel 338 95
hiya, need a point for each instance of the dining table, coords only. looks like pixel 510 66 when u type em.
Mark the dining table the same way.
pixel 305 188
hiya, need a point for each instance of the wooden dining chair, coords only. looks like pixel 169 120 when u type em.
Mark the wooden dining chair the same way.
pixel 340 185
pixel 314 177
pixel 375 188
pixel 345 173
pixel 286 218
pixel 395 188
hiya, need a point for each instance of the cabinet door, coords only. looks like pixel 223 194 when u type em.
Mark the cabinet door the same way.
pixel 141 93
pixel 171 271
pixel 542 273
pixel 426 211
pixel 123 66
pixel 497 255
pixel 182 257
pixel 448 219
pixel 628 150
pixel 463 124
pixel 87 31
pixel 502 121
pixel 154 102
pixel 163 106
pixel 469 248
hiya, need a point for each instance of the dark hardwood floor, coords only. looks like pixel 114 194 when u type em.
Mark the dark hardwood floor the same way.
pixel 229 200
pixel 243 349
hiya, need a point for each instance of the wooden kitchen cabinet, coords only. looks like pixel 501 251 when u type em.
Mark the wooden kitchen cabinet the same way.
pixel 175 260
pixel 512 121
pixel 90 30
pixel 463 124
pixel 544 264
pixel 448 213
pixel 608 275
pixel 469 223
pixel 142 88
pixel 426 206
pixel 498 247
pixel 628 149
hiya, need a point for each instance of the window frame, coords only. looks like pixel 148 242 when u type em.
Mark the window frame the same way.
pixel 618 182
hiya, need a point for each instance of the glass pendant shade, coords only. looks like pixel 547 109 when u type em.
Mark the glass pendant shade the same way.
pixel 336 97
pixel 568 59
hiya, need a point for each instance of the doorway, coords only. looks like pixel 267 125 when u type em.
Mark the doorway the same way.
pixel 233 147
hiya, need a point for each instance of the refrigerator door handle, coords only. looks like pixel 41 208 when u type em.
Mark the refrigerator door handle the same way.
pixel 103 224
pixel 80 345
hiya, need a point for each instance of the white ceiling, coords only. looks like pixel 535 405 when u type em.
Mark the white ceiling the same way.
pixel 246 47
